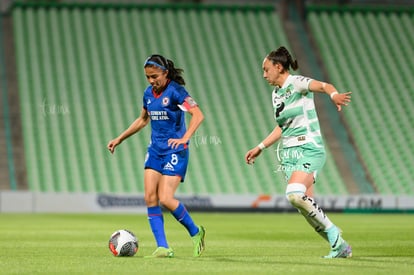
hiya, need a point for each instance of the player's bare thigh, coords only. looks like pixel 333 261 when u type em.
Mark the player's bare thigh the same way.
pixel 305 178
pixel 152 179
pixel 166 190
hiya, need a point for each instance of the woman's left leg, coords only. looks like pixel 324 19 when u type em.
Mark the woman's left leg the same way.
pixel 166 191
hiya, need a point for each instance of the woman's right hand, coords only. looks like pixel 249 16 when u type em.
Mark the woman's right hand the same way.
pixel 112 144
pixel 252 154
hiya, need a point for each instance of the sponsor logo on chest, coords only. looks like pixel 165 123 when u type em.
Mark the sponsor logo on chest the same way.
pixel 279 98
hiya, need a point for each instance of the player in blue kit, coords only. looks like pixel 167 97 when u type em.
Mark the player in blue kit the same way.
pixel 165 103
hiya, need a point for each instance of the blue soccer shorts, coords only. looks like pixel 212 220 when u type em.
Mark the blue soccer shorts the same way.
pixel 174 164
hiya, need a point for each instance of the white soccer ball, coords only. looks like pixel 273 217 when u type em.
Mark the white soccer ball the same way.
pixel 123 243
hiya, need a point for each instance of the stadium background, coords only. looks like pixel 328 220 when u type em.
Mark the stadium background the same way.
pixel 72 79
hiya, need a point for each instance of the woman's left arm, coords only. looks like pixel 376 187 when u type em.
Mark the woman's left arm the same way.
pixel 339 99
pixel 197 117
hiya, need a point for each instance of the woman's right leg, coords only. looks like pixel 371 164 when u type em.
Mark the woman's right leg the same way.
pixel 154 212
pixel 296 194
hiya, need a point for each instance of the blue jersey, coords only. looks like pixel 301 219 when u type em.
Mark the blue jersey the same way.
pixel 167 116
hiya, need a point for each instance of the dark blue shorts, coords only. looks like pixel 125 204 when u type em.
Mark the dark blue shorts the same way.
pixel 174 164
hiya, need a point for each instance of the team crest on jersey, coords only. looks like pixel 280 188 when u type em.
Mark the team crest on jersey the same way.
pixel 165 101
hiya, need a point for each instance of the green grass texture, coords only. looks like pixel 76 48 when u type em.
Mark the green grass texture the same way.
pixel 236 243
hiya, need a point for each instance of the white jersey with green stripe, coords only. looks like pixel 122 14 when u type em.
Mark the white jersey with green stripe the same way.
pixel 295 113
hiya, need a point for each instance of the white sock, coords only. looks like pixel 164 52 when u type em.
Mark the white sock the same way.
pixel 314 215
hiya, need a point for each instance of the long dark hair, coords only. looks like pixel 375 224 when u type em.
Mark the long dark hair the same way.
pixel 165 64
pixel 282 56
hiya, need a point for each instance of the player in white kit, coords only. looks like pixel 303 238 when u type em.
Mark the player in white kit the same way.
pixel 303 153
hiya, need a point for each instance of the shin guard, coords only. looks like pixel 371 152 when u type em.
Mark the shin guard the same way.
pixel 314 215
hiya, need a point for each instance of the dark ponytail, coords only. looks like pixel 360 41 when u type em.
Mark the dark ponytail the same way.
pixel 175 73
pixel 282 56
pixel 163 63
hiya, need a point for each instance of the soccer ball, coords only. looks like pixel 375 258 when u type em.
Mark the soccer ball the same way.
pixel 123 243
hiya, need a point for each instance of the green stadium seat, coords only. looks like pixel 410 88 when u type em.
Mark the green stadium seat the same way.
pixel 368 52
pixel 85 64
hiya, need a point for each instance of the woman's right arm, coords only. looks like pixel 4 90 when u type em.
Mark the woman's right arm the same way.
pixel 135 127
pixel 268 141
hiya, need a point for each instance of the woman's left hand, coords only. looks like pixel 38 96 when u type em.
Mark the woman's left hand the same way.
pixel 175 142
pixel 341 99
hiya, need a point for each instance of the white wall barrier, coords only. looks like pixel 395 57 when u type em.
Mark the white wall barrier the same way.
pixel 29 202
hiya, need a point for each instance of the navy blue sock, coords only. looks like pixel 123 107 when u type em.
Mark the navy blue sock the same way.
pixel 156 221
pixel 181 214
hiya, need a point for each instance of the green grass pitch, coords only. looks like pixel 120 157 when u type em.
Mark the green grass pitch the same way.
pixel 236 243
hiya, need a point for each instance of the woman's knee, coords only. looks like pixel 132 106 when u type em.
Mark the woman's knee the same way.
pixel 166 199
pixel 151 199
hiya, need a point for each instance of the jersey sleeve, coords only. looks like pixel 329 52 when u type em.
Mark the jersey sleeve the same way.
pixel 145 99
pixel 302 83
pixel 185 101
pixel 188 103
pixel 144 103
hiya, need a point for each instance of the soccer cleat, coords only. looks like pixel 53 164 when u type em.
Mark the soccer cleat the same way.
pixel 162 252
pixel 333 235
pixel 339 247
pixel 198 241
pixel 343 250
